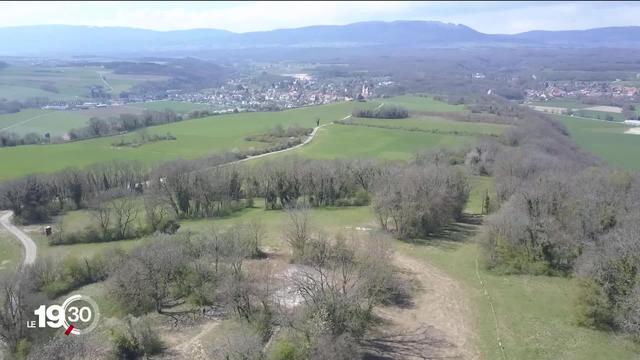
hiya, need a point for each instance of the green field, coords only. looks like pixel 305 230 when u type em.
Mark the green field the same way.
pixel 421 103
pixel 199 137
pixel 600 115
pixel 572 104
pixel 57 123
pixel 195 138
pixel 606 140
pixel 346 141
pixel 434 123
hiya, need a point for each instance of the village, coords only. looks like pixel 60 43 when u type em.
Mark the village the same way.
pixel 582 89
pixel 243 94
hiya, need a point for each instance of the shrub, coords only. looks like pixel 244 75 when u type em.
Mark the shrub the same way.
pixel 135 338
pixel 286 349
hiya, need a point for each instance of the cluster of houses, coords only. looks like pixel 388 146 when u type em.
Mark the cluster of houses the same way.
pixel 293 92
pixel 577 89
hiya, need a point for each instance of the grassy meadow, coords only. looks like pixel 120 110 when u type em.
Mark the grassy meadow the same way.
pixel 421 103
pixel 346 141
pixel 571 104
pixel 199 137
pixel 606 140
pixel 57 123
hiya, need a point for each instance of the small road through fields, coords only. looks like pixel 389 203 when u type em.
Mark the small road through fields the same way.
pixel 23 121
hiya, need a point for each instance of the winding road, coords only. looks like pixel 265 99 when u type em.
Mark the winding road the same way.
pixel 30 249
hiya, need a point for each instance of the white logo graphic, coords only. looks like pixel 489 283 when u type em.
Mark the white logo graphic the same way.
pixel 78 315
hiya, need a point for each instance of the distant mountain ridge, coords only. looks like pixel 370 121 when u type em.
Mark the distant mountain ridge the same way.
pixel 46 40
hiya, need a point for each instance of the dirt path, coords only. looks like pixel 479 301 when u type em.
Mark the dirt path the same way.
pixel 307 140
pixel 192 348
pixel 436 325
pixel 101 77
pixel 29 245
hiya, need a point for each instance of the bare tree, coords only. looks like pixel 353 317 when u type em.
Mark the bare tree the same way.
pixel 256 232
pixel 297 230
pixel 102 215
pixel 125 212
pixel 15 310
pixel 147 279
pixel 156 213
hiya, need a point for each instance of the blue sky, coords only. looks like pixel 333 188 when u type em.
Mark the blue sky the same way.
pixel 489 16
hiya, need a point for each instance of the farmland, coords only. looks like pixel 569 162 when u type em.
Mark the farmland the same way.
pixel 63 83
pixel 422 103
pixel 199 137
pixel 606 140
pixel 566 104
pixel 57 123
pixel 344 141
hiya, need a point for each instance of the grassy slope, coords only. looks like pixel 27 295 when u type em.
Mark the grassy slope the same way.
pixel 42 121
pixel 600 115
pixel 195 138
pixel 199 137
pixel 421 103
pixel 435 123
pixel 606 140
pixel 344 141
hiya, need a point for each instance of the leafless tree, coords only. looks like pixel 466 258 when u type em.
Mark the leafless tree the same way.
pixel 125 212
pixel 256 232
pixel 147 279
pixel 156 213
pixel 297 230
pixel 16 307
pixel 102 215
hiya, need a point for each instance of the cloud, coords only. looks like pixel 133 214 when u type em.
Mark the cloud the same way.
pixel 488 16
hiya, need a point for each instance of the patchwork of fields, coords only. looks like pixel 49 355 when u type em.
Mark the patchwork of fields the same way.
pixel 63 83
pixel 199 137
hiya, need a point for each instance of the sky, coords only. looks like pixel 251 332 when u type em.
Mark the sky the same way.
pixel 488 17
